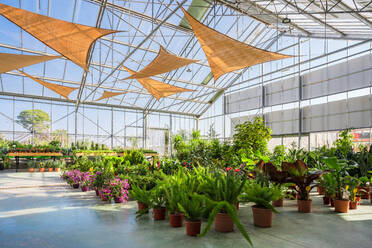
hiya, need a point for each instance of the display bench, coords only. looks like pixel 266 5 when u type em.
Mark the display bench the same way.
pixel 18 155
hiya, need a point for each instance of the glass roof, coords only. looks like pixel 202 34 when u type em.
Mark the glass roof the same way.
pixel 144 26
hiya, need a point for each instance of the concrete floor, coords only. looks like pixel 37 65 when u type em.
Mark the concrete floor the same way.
pixel 55 216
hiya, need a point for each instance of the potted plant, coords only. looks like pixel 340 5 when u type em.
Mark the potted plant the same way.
pixel 223 187
pixel 49 165
pixel 157 203
pixel 329 185
pixel 57 164
pixel 352 183
pixel 192 205
pixel 73 178
pixel 143 198
pixel 262 196
pixel 31 165
pixel 41 167
pixel 173 188
pixel 338 169
pixel 300 175
pixel 364 187
pixel 119 189
pixel 85 181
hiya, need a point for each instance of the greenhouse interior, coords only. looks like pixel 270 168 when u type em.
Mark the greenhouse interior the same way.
pixel 189 123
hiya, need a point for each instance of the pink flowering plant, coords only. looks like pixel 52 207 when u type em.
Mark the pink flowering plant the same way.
pixel 115 189
pixel 73 177
pixel 86 179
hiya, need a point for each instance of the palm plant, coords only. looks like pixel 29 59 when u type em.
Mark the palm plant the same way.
pixel 191 205
pixel 141 195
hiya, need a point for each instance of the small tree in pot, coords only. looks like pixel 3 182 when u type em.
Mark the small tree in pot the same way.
pixel 157 202
pixel 192 205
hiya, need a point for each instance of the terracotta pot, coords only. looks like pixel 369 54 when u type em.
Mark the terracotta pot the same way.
pixel 84 188
pixel 341 206
pixel 50 169
pixel 176 220
pixel 31 169
pixel 364 195
pixel 353 205
pixel 159 213
pixel 304 206
pixel 56 169
pixel 192 227
pixel 41 169
pixel 237 205
pixel 326 200
pixel 357 199
pixel 142 206
pixel 278 203
pixel 262 217
pixel 75 186
pixel 223 223
pixel 320 190
pixel 332 202
pixel 118 200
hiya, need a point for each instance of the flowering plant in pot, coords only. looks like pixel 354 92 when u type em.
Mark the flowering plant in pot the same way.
pixel 338 170
pixel 352 183
pixel 41 167
pixel 300 175
pixel 85 181
pixel 143 198
pixel 119 189
pixel 262 195
pixel 73 178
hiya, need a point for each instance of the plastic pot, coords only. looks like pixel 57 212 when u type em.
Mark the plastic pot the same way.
pixel 326 200
pixel 192 227
pixel 50 169
pixel 31 169
pixel 84 188
pixel 159 213
pixel 353 205
pixel 142 206
pixel 223 223
pixel 118 200
pixel 41 169
pixel 56 169
pixel 262 217
pixel 75 186
pixel 176 220
pixel 278 203
pixel 341 206
pixel 304 206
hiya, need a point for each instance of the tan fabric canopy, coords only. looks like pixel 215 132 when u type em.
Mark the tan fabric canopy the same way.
pixel 59 89
pixel 164 62
pixel 107 94
pixel 225 54
pixel 157 89
pixel 71 40
pixel 10 62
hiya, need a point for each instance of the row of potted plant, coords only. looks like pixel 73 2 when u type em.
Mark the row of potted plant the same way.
pixel 49 165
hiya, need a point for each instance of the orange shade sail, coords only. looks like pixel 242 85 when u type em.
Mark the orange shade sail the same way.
pixel 107 94
pixel 69 39
pixel 10 62
pixel 157 89
pixel 164 62
pixel 225 54
pixel 59 89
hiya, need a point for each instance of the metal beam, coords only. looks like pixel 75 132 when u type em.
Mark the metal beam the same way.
pixel 135 49
pixel 315 19
pixel 90 103
pixel 142 16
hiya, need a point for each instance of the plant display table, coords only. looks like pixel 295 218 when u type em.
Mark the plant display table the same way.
pixel 18 155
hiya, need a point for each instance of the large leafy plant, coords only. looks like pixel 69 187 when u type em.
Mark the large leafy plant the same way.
pixel 300 175
pixel 338 169
pixel 191 205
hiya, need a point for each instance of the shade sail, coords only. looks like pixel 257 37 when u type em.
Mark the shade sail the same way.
pixel 59 89
pixel 107 94
pixel 10 62
pixel 164 62
pixel 69 39
pixel 225 54
pixel 157 89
